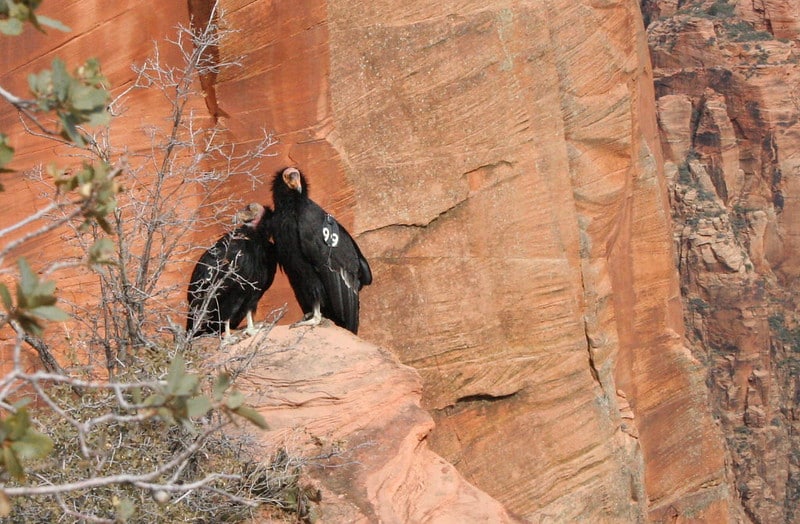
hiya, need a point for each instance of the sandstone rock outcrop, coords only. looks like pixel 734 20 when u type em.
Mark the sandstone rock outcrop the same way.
pixel 536 259
pixel 726 76
pixel 324 391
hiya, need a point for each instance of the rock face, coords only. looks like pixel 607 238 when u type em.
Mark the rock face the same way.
pixel 531 236
pixel 325 388
pixel 726 76
pixel 501 167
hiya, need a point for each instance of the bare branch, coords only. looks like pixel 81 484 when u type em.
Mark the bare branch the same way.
pixel 44 353
pixel 110 479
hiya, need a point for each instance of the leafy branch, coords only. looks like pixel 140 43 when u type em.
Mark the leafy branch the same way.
pixel 35 302
pixel 14 15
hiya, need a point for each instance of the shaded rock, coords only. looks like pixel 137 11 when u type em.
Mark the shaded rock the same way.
pixel 734 202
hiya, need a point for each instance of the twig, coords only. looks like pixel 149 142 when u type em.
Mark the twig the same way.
pixel 45 356
pixel 122 478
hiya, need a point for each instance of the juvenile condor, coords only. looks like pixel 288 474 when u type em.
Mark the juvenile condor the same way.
pixel 232 275
pixel 322 261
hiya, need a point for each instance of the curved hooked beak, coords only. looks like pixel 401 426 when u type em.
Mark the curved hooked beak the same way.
pixel 291 177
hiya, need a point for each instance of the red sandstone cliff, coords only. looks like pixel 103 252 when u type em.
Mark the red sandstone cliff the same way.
pixel 501 166
pixel 726 76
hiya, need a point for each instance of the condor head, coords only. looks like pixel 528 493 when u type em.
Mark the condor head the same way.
pixel 293 179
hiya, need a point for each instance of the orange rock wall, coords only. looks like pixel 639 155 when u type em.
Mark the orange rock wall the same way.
pixel 726 78
pixel 526 218
pixel 500 166
pixel 120 35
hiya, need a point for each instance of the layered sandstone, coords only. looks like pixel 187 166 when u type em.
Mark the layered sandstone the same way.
pixel 500 166
pixel 726 75
pixel 351 412
pixel 534 247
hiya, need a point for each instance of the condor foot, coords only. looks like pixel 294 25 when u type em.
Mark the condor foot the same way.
pixel 310 319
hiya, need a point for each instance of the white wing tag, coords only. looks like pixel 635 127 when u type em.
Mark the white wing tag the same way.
pixel 330 231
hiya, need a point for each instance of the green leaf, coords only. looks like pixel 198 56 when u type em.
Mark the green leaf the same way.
pixel 5 297
pixel 102 252
pixel 197 406
pixel 35 82
pixel 50 22
pixel 21 403
pixel 235 400
pixel 6 151
pixel 17 424
pixel 103 223
pixel 156 399
pixel 99 118
pixel 11 26
pixel 69 123
pixel 136 395
pixel 12 464
pixel 35 300
pixel 252 415
pixel 166 415
pixel 177 370
pixel 188 385
pixel 221 385
pixel 44 291
pixel 28 279
pixel 180 383
pixel 90 72
pixel 33 445
pixel 189 426
pixel 41 86
pixel 61 80
pixel 30 325
pixel 125 509
pixel 88 98
pixel 50 313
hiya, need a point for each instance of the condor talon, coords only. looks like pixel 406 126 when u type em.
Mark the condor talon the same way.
pixel 251 330
pixel 313 318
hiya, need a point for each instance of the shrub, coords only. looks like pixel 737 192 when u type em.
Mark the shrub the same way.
pixel 146 441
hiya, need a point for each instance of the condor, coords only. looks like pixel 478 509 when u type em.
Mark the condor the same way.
pixel 323 263
pixel 230 278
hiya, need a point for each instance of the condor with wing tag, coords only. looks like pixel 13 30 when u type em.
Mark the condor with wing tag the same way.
pixel 325 267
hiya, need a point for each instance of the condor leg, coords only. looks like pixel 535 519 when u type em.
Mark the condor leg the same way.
pixel 312 318
pixel 251 329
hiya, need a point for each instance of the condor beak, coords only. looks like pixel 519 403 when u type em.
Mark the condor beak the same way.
pixel 291 177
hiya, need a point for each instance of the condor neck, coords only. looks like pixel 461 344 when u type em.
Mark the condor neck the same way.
pixel 293 200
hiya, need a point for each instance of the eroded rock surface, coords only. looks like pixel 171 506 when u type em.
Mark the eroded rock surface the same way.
pixel 325 391
pixel 726 78
pixel 500 165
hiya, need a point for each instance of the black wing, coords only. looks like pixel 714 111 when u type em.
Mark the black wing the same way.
pixel 255 268
pixel 339 263
pixel 228 281
pixel 209 296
